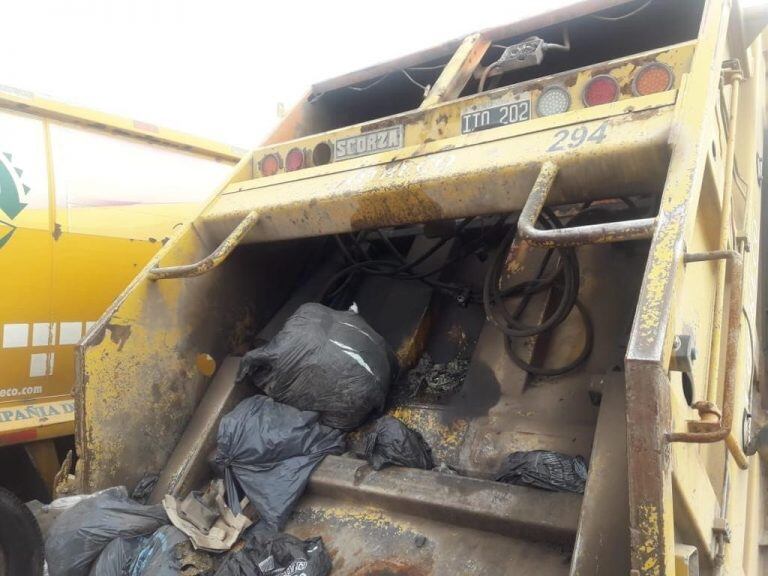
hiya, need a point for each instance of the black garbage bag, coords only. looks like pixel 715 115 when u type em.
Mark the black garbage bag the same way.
pixel 168 552
pixel 544 469
pixel 392 443
pixel 268 554
pixel 324 360
pixel 78 536
pixel 116 558
pixel 270 449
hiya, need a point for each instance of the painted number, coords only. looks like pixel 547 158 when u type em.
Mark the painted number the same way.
pixel 575 137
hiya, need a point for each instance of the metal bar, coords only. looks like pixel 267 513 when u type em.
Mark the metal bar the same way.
pixel 642 228
pixel 458 71
pixel 725 234
pixel 723 429
pixel 213 259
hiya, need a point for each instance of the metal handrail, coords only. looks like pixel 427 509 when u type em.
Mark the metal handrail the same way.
pixel 639 229
pixel 722 429
pixel 213 259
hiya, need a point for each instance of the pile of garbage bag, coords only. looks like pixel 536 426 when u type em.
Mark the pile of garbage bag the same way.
pixel 324 373
pixel 81 533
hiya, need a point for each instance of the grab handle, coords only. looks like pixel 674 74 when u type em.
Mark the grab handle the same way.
pixel 213 259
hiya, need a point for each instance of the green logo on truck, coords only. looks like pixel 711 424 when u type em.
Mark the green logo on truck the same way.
pixel 12 193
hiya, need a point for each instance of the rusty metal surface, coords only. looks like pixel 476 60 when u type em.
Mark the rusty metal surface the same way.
pixel 602 541
pixel 125 431
pixel 482 175
pixel 513 511
pixel 187 467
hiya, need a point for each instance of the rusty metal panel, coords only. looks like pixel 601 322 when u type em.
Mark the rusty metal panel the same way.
pixel 468 175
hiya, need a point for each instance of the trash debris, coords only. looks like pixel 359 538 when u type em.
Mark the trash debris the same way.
pixel 144 487
pixel 116 558
pixel 270 450
pixel 392 443
pixel 437 379
pixel 273 554
pixel 327 361
pixel 544 469
pixel 206 519
pixel 443 468
pixel 79 535
pixel 168 552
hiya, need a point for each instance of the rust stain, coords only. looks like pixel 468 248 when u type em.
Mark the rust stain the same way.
pixel 389 568
pixel 119 334
pixel 386 207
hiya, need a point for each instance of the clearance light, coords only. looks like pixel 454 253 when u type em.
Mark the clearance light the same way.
pixel 601 89
pixel 652 78
pixel 269 165
pixel 294 160
pixel 554 100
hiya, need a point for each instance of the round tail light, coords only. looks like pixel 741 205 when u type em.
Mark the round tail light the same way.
pixel 269 165
pixel 553 100
pixel 652 78
pixel 602 89
pixel 294 160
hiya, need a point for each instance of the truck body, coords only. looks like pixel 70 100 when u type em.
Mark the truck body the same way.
pixel 87 198
pixel 598 170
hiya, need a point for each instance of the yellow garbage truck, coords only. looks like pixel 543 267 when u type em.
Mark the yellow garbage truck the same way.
pixel 86 199
pixel 568 206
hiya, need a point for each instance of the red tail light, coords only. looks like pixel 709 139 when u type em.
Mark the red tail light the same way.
pixel 601 89
pixel 652 78
pixel 269 165
pixel 294 160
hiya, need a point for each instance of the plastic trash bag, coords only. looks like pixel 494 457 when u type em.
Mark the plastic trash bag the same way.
pixel 168 552
pixel 116 558
pixel 392 443
pixel 324 360
pixel 78 536
pixel 544 469
pixel 270 450
pixel 270 554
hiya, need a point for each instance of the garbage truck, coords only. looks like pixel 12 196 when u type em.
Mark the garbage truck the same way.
pixel 86 198
pixel 555 225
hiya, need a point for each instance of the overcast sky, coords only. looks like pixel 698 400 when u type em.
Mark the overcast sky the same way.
pixel 220 68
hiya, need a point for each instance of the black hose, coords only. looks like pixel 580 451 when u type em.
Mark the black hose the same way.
pixel 563 281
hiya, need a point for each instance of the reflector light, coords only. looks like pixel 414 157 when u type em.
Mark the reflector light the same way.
pixel 652 78
pixel 554 100
pixel 601 89
pixel 294 160
pixel 269 165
